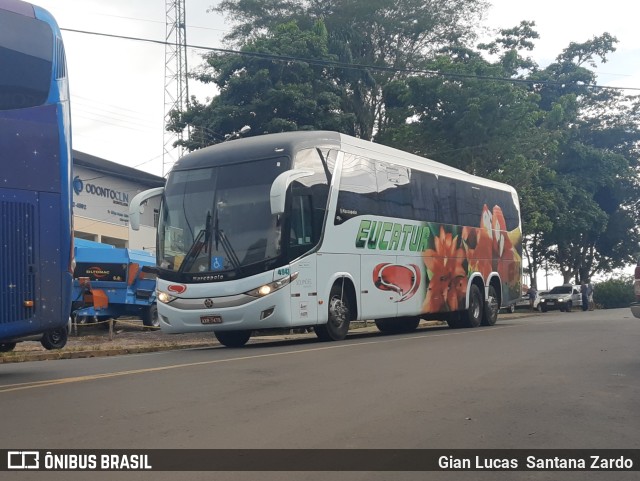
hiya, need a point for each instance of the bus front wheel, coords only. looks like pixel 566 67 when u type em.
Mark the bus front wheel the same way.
pixel 55 339
pixel 233 338
pixel 340 312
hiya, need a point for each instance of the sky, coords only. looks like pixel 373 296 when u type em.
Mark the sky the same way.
pixel 117 86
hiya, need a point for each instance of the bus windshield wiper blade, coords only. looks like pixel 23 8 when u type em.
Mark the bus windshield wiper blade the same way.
pixel 193 252
pixel 202 240
pixel 228 248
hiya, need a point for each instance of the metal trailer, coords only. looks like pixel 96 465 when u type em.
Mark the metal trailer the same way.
pixel 111 282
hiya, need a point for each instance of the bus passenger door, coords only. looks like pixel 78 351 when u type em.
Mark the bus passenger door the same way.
pixel 378 293
pixel 304 292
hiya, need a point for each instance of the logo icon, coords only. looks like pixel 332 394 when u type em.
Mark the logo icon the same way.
pixel 208 303
pixel 23 460
pixel 97 272
pixel 217 263
pixel 78 185
pixel 177 288
pixel 403 280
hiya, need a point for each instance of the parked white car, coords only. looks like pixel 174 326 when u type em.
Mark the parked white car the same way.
pixel 564 298
pixel 523 302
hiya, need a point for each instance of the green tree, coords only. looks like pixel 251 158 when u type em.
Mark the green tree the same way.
pixel 267 94
pixel 390 35
pixel 595 230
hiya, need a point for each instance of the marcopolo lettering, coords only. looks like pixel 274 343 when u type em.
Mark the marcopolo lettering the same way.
pixel 106 192
pixel 391 236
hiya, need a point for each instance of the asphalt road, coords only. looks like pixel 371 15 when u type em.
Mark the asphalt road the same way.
pixel 554 380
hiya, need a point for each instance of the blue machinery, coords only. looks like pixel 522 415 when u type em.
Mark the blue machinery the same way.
pixel 110 282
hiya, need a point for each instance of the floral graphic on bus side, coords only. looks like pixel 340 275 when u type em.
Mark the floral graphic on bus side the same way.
pixel 447 274
pixel 458 252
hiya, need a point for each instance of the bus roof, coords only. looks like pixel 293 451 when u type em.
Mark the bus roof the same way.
pixel 259 147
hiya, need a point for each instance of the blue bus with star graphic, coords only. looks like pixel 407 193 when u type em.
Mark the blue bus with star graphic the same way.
pixel 36 234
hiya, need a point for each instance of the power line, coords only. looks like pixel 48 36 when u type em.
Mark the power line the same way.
pixel 332 63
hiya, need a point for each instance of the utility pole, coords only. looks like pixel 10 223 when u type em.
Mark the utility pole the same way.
pixel 176 90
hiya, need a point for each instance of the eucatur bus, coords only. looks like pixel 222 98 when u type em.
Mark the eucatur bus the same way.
pixel 36 235
pixel 319 229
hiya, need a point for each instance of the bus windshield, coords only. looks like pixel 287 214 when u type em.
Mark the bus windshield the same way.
pixel 219 218
pixel 26 47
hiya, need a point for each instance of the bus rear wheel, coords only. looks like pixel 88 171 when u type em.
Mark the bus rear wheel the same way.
pixel 491 308
pixel 473 316
pixel 340 313
pixel 233 338
pixel 55 339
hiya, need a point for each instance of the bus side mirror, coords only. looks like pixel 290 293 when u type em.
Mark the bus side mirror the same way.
pixel 136 208
pixel 281 184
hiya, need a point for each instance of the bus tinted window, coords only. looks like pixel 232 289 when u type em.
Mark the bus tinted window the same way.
pixel 358 189
pixel 394 191
pixel 424 189
pixel 26 45
pixel 308 202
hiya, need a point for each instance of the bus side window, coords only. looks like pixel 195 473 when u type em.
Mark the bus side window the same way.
pixel 394 191
pixel 424 195
pixel 301 232
pixel 358 194
pixel 309 196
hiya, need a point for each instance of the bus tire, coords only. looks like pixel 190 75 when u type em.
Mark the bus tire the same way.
pixel 340 313
pixel 233 338
pixel 150 316
pixel 491 308
pixel 473 316
pixel 55 338
pixel 7 346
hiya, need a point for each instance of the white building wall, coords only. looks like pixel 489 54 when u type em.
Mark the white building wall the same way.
pixel 101 209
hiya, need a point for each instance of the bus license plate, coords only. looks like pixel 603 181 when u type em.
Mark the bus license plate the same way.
pixel 211 319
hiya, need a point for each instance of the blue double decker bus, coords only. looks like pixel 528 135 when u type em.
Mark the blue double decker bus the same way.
pixel 36 235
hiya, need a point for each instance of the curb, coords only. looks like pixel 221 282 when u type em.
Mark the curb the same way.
pixel 25 356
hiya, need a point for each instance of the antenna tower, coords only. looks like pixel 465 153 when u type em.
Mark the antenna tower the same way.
pixel 176 90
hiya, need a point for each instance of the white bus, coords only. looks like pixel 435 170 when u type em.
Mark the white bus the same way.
pixel 321 229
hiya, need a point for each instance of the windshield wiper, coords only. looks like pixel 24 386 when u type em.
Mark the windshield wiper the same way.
pixel 221 238
pixel 228 248
pixel 202 240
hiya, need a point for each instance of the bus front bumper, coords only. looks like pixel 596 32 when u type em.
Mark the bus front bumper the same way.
pixel 240 312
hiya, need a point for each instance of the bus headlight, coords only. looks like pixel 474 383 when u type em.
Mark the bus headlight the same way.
pixel 267 289
pixel 164 297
